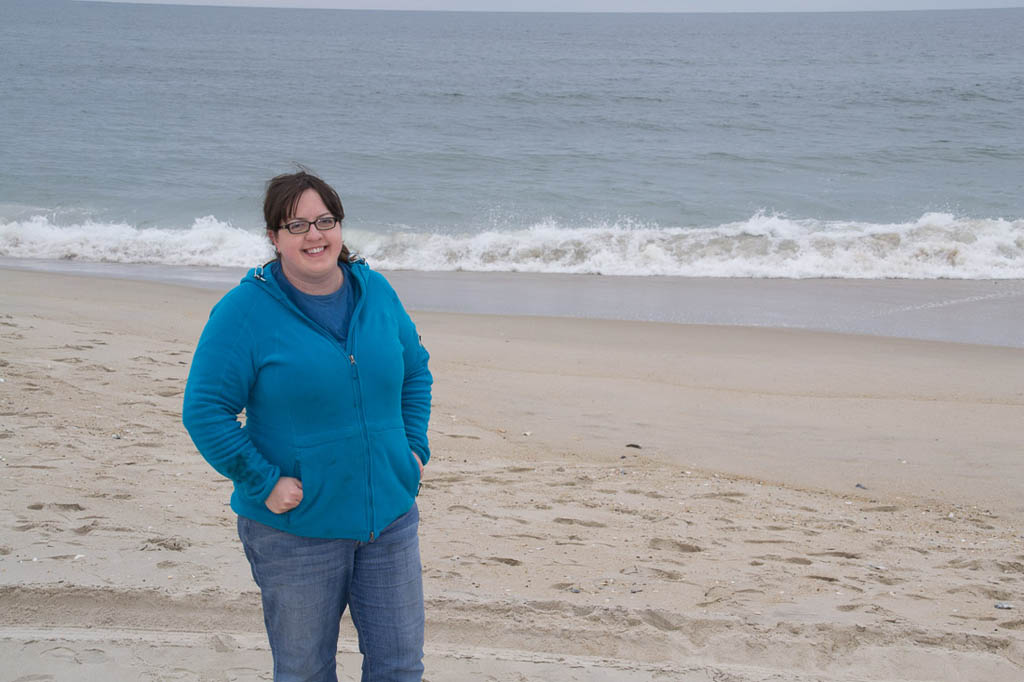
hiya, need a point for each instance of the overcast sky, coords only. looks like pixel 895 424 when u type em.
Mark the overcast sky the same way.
pixel 618 5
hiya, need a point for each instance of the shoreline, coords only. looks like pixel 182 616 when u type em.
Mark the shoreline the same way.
pixel 985 312
pixel 734 541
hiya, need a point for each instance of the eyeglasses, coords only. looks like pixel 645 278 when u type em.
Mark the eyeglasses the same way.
pixel 302 226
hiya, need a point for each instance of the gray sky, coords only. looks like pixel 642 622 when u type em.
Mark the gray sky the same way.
pixel 617 5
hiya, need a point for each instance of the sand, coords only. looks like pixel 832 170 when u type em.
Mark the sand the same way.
pixel 798 506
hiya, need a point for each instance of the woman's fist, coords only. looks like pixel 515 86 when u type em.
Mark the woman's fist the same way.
pixel 285 496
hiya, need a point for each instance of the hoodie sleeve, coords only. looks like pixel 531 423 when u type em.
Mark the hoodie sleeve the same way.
pixel 222 373
pixel 417 382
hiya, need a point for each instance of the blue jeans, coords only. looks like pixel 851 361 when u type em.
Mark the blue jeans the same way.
pixel 306 584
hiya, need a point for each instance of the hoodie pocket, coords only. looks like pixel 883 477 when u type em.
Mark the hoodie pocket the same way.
pixel 330 476
pixel 400 461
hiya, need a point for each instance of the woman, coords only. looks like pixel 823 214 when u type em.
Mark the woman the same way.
pixel 321 355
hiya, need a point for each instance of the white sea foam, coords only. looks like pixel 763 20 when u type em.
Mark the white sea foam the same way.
pixel 937 245
pixel 207 242
pixel 934 246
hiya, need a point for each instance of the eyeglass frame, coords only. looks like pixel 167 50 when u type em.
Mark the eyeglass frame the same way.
pixel 335 220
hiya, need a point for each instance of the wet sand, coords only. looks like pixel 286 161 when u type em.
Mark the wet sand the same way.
pixel 799 505
pixel 987 312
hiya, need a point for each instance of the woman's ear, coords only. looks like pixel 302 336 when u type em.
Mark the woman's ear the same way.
pixel 272 236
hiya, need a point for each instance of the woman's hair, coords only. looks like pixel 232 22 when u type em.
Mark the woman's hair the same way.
pixel 283 194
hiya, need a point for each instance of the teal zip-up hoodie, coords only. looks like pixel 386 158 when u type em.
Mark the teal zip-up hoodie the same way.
pixel 345 420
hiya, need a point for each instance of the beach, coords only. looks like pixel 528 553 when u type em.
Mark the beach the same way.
pixel 606 500
pixel 725 313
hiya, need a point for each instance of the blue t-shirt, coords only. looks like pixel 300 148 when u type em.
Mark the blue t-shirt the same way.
pixel 330 311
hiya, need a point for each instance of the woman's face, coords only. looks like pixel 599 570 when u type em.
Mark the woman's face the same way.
pixel 310 260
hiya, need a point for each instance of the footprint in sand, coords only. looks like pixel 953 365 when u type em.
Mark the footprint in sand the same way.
pixel 983 619
pixel 661 574
pixel 559 543
pixel 674 545
pixel 169 393
pixel 101 368
pixel 728 497
pixel 983 591
pixel 175 544
pixel 59 506
pixel 824 578
pixel 580 522
pixel 61 652
pixel 969 564
pixel 658 620
pixel 446 478
pixel 841 555
pixel 65 506
pixel 87 528
pixel 118 496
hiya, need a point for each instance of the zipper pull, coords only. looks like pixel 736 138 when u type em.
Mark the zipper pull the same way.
pixel 352 359
pixel 371 536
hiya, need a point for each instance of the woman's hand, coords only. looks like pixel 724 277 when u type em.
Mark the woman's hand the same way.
pixel 418 461
pixel 286 495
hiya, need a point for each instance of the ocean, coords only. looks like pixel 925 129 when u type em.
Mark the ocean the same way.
pixel 851 145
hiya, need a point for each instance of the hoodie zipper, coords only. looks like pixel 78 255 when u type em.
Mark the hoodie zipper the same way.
pixel 366 440
pixel 350 343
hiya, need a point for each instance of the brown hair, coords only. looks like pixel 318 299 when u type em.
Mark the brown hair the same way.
pixel 283 194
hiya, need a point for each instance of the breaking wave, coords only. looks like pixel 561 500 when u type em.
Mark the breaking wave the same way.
pixel 936 245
